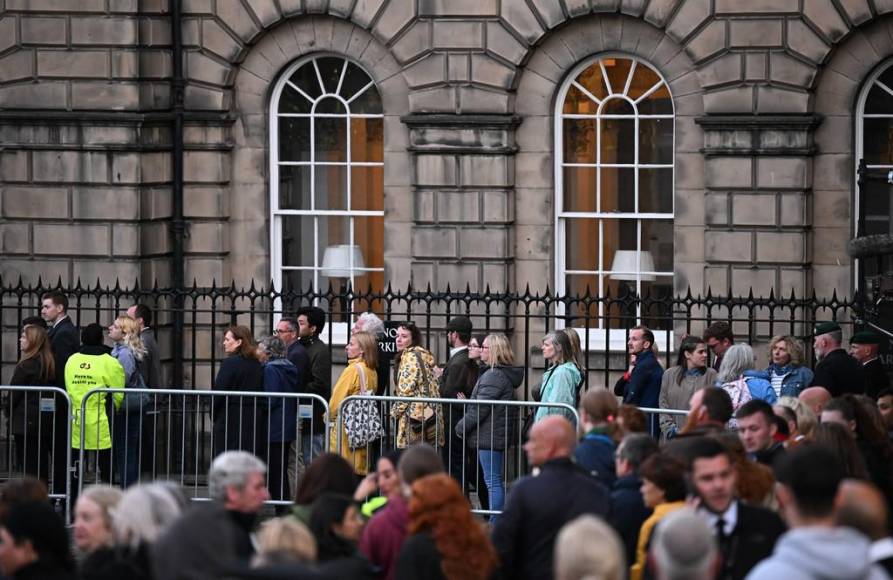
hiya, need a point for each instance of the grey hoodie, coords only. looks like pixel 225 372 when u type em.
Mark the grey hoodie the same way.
pixel 818 553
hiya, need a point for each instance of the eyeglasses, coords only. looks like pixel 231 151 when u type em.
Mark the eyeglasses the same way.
pixel 485 347
pixel 286 331
pixel 473 346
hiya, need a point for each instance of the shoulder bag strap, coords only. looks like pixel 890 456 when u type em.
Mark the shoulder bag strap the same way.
pixel 363 390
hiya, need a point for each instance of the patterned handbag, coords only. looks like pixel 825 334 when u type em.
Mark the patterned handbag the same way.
pixel 362 422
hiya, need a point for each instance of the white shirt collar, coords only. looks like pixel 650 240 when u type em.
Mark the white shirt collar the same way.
pixel 881 550
pixel 457 350
pixel 64 316
pixel 868 361
pixel 730 517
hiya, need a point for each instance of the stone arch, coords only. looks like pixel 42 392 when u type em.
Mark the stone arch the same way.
pixel 836 91
pixel 542 76
pixel 254 80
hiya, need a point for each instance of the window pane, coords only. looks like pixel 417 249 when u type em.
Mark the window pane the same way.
pixel 656 141
pixel 657 238
pixel 330 105
pixel 330 70
pixel 298 240
pixel 580 285
pixel 643 79
pixel 331 187
pixel 618 107
pixel 618 72
pixel 366 139
pixel 369 235
pixel 579 189
pixel 305 79
pixel 618 235
pixel 367 188
pixel 876 199
pixel 581 244
pixel 294 139
pixel 656 190
pixel 577 102
pixel 879 101
pixel 579 140
pixel 291 101
pixel 294 187
pixel 618 189
pixel 657 103
pixel 330 138
pixel 878 140
pixel 368 103
pixel 591 79
pixel 298 281
pixel 354 80
pixel 618 140
pixel 658 315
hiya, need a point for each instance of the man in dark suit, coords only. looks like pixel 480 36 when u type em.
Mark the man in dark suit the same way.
pixel 864 348
pixel 65 342
pixel 457 382
pixel 746 534
pixel 837 371
pixel 538 506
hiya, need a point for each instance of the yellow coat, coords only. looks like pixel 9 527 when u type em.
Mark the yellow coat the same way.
pixel 637 570
pixel 349 384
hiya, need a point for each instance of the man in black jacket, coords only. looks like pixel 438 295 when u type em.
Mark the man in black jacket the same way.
pixel 457 379
pixel 864 348
pixel 65 342
pixel 538 506
pixel 628 509
pixel 746 534
pixel 311 321
pixel 837 371
pixel 150 366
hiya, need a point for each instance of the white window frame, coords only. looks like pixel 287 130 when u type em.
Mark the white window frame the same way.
pixel 339 330
pixel 598 337
pixel 860 149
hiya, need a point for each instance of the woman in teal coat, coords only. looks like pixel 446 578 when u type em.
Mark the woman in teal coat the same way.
pixel 561 379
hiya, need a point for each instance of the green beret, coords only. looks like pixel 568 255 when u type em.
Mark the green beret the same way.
pixel 826 327
pixel 865 337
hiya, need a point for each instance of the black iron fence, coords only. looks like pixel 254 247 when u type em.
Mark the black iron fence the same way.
pixel 601 321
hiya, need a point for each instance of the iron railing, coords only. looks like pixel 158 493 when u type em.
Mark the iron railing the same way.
pixel 602 321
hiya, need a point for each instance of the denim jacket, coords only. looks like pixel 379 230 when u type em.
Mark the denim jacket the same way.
pixel 796 379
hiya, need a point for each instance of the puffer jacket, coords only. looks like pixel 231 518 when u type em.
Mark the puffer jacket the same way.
pixel 489 426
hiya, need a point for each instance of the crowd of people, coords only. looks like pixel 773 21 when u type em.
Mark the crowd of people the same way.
pixel 774 471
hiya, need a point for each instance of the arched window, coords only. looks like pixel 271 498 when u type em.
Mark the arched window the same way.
pixel 874 146
pixel 326 177
pixel 614 184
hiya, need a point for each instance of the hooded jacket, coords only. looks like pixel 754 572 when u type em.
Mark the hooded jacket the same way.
pixel 489 426
pixel 815 553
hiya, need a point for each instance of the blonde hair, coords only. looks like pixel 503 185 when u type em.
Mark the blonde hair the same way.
pixel 806 419
pixel 501 353
pixel 131 329
pixel 795 348
pixel 106 498
pixel 284 539
pixel 588 548
pixel 367 342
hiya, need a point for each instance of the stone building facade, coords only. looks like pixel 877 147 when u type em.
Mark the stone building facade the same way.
pixel 765 122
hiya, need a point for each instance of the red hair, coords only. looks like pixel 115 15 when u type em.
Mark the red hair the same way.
pixel 438 505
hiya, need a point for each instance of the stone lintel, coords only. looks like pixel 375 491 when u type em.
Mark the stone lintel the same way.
pixel 757 135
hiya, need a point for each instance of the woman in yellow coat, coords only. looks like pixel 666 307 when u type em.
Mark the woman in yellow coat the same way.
pixel 362 360
pixel 663 490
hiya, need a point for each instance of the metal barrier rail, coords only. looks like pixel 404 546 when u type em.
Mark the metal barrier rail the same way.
pixel 34 448
pixel 509 415
pixel 188 429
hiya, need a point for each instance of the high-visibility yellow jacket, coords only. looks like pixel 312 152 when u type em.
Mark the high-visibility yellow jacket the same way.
pixel 85 371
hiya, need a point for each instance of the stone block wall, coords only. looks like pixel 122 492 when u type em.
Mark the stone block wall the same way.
pixel 764 93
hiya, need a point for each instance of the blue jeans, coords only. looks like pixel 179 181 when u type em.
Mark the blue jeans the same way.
pixel 127 430
pixel 491 462
pixel 312 447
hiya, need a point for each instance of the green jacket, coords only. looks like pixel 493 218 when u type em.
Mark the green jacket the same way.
pixel 92 368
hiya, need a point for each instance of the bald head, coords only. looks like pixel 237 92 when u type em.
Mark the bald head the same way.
pixel 550 438
pixel 861 506
pixel 815 398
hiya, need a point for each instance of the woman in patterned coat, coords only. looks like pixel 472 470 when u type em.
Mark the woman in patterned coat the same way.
pixel 414 377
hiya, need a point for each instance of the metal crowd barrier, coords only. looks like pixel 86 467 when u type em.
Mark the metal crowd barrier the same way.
pixel 460 461
pixel 37 432
pixel 174 435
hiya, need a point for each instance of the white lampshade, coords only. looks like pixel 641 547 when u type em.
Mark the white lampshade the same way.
pixel 625 265
pixel 336 261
